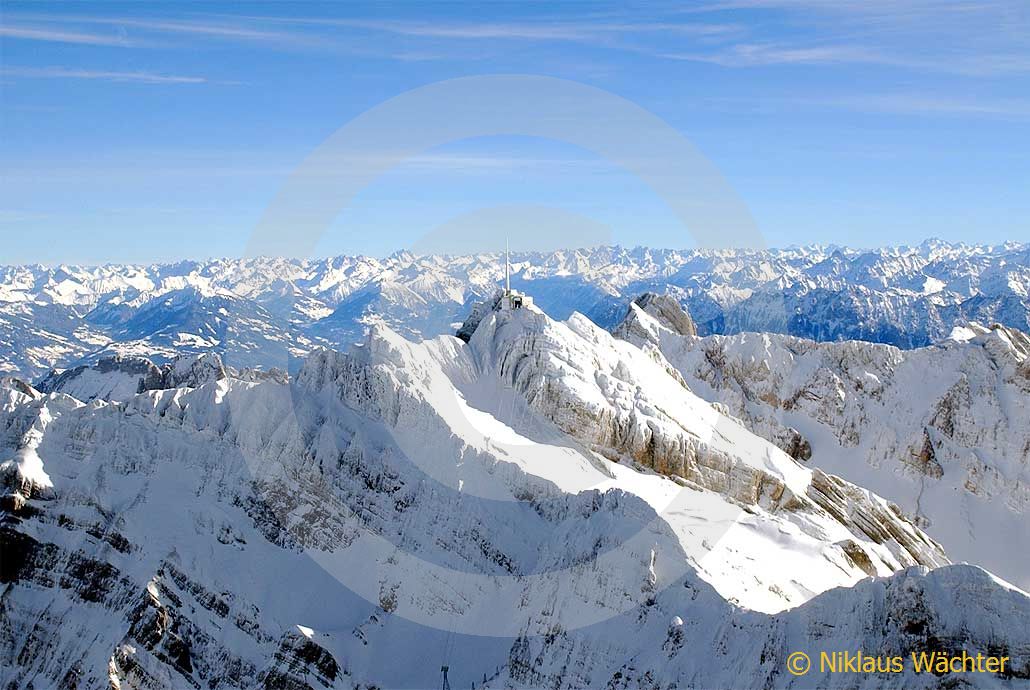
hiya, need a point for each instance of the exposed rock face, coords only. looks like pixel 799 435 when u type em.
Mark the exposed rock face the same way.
pixel 920 427
pixel 18 385
pixel 910 612
pixel 118 378
pixel 191 372
pixel 624 403
pixel 477 314
pixel 664 309
pixel 642 328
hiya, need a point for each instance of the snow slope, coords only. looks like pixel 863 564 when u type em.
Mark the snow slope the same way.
pixel 542 506
pixel 943 431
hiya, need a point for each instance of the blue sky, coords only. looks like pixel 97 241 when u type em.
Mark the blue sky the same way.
pixel 150 132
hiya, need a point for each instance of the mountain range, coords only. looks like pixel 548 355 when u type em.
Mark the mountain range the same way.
pixel 352 473
pixel 270 312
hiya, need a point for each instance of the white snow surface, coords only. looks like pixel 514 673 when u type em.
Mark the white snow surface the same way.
pixel 533 507
pixel 943 431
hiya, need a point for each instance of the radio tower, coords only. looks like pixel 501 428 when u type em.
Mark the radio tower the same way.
pixel 507 270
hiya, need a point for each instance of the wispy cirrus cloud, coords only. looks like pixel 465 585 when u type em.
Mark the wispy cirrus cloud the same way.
pixel 916 104
pixel 308 31
pixel 983 38
pixel 213 27
pixel 193 164
pixel 758 54
pixel 584 30
pixel 971 63
pixel 130 31
pixel 137 77
pixel 924 12
pixel 884 103
pixel 52 35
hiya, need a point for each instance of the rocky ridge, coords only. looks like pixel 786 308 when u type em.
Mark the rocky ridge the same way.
pixel 386 502
pixel 923 427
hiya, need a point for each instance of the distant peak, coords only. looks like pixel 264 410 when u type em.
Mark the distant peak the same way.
pixel 664 309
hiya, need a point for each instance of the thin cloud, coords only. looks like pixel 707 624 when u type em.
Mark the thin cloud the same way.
pixel 138 77
pixel 220 30
pixel 987 38
pixel 895 10
pixel 910 104
pixel 534 31
pixel 135 165
pixel 977 39
pixel 906 104
pixel 762 55
pixel 238 29
pixel 487 163
pixel 60 36
pixel 213 29
pixel 253 27
pixel 750 55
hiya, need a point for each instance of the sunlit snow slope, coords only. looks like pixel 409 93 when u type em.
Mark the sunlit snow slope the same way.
pixel 944 431
pixel 542 506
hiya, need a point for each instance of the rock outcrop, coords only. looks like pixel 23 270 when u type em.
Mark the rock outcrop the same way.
pixel 920 427
pixel 664 309
pixel 624 403
pixel 118 378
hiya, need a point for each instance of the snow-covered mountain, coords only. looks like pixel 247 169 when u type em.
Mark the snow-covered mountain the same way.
pixel 542 505
pixel 943 431
pixel 118 378
pixel 271 312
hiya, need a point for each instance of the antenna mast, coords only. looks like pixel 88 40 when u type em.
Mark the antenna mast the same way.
pixel 507 269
